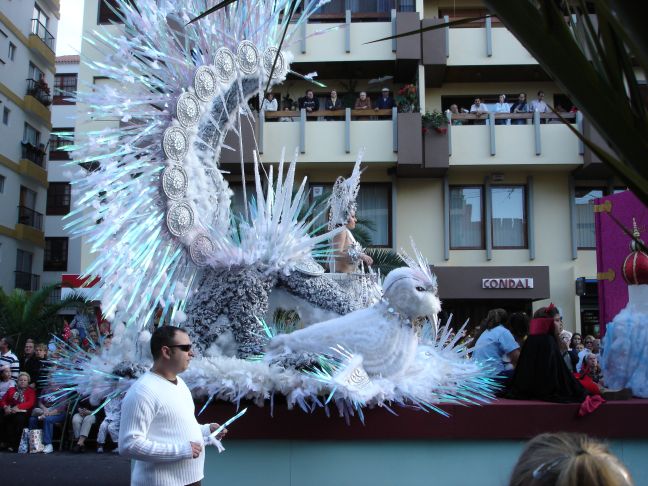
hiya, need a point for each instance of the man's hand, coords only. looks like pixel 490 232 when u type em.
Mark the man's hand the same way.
pixel 196 449
pixel 214 426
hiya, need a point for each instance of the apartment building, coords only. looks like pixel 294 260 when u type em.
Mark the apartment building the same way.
pixel 62 253
pixel 502 211
pixel 27 67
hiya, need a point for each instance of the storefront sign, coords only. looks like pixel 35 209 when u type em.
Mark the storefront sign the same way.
pixel 507 283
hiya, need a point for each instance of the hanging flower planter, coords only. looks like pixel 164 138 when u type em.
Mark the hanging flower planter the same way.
pixel 441 130
pixel 435 120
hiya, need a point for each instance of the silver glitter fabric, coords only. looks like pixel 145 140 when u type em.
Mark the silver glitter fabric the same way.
pixel 201 249
pixel 320 291
pixel 175 143
pixel 188 109
pixel 174 182
pixel 308 266
pixel 248 57
pixel 180 218
pixel 225 63
pixel 205 83
pixel 269 57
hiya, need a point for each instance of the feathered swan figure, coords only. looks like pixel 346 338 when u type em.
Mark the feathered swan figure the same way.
pixel 384 335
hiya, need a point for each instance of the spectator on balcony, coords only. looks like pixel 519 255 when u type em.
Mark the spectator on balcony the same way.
pixel 309 102
pixel 502 107
pixel 385 102
pixel 520 106
pixel 7 357
pixel 478 108
pixel 454 110
pixel 539 105
pixel 6 381
pixel 15 408
pixel 363 102
pixel 30 362
pixel 333 102
pixel 269 103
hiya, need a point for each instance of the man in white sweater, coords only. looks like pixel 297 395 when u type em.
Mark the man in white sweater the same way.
pixel 158 427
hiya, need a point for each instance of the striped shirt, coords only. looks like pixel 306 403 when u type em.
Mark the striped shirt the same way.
pixel 10 359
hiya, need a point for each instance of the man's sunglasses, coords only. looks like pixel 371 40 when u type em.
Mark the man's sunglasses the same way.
pixel 184 347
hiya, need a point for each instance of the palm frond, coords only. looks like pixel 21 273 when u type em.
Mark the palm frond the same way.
pixel 385 259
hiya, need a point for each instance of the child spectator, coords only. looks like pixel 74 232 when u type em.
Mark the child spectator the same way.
pixel 6 381
pixel 110 424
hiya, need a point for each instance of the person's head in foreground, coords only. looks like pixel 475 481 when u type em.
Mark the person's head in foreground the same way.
pixel 171 349
pixel 563 459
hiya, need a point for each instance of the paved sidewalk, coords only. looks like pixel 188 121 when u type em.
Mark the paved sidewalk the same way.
pixel 64 468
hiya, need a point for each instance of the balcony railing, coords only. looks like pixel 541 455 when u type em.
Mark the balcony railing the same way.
pixel 29 217
pixel 44 34
pixel 39 90
pixel 27 281
pixel 361 10
pixel 33 153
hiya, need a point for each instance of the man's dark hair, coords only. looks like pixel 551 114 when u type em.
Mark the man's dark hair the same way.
pixel 163 336
pixel 309 91
pixel 9 341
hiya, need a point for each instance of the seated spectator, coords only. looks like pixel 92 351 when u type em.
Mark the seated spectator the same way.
pixel 82 422
pixel 563 344
pixel 385 102
pixel 110 424
pixel 564 459
pixel 7 357
pixel 309 102
pixel 333 102
pixel 44 416
pixel 454 110
pixel 539 105
pixel 363 102
pixel 478 108
pixel 269 103
pixel 502 107
pixel 15 409
pixel 30 363
pixel 520 106
pixel 6 381
pixel 497 346
pixel 541 372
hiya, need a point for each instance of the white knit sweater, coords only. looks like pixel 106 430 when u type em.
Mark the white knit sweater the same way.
pixel 157 424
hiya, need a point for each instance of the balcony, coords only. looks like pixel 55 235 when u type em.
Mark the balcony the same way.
pixel 42 33
pixel 541 141
pixel 29 217
pixel 34 154
pixel 39 90
pixel 329 136
pixel 27 281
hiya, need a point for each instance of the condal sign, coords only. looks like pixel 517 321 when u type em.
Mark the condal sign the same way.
pixel 507 283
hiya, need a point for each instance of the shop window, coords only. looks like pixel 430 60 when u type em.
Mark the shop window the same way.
pixel 56 255
pixel 65 87
pixel 508 220
pixel 466 217
pixel 585 228
pixel 58 198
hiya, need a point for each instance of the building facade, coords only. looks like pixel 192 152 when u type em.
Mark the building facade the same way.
pixel 27 66
pixel 502 209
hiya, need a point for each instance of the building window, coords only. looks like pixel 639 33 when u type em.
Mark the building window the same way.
pixel 2 183
pixel 24 278
pixel 40 16
pixel 60 138
pixel 5 115
pixel 508 218
pixel 585 228
pixel 65 86
pixel 58 198
pixel 107 15
pixel 466 217
pixel 374 204
pixel 12 51
pixel 56 255
pixel 34 72
pixel 31 135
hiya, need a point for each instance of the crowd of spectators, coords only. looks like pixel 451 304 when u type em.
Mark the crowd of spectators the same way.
pixel 537 359
pixel 27 403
